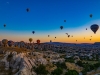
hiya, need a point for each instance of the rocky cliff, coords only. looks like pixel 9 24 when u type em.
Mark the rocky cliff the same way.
pixel 20 61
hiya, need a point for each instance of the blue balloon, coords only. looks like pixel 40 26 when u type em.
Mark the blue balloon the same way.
pixel 61 27
pixel 27 9
pixel 33 32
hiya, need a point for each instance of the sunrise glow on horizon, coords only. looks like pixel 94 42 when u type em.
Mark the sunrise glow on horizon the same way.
pixel 78 34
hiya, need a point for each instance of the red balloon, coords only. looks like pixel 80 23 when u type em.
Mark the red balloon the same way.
pixel 38 41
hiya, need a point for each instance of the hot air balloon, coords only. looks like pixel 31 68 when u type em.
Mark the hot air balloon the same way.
pixel 76 40
pixel 86 28
pixel 4 25
pixel 91 36
pixel 61 27
pixel 64 20
pixel 68 35
pixel 91 15
pixel 30 40
pixel 72 35
pixel 27 9
pixel 33 32
pixel 22 44
pixel 50 40
pixel 94 28
pixel 55 37
pixel 48 35
pixel 38 41
pixel 90 39
pixel 5 41
pixel 10 43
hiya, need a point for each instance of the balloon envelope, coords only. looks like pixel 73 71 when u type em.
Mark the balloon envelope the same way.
pixel 61 27
pixel 4 25
pixel 68 35
pixel 27 9
pixel 64 20
pixel 10 43
pixel 38 41
pixel 4 41
pixel 94 28
pixel 33 32
pixel 91 15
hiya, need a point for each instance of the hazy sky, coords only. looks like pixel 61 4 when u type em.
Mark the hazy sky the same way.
pixel 46 17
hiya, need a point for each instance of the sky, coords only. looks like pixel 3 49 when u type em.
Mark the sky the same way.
pixel 45 18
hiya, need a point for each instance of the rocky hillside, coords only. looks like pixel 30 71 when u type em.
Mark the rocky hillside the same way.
pixel 20 61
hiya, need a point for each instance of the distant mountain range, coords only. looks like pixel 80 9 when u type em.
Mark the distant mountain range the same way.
pixel 62 43
pixel 57 43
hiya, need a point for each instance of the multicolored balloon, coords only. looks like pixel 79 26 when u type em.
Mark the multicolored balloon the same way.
pixel 10 43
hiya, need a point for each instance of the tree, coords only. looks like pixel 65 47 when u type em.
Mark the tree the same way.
pixel 87 67
pixel 79 63
pixel 57 71
pixel 84 72
pixel 75 72
pixel 30 39
pixel 61 65
pixel 92 67
pixel 72 72
pixel 97 57
pixel 41 70
pixel 96 65
pixel 68 73
pixel 69 60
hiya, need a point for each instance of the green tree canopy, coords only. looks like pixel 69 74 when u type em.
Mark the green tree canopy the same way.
pixel 72 72
pixel 41 70
pixel 57 71
pixel 61 65
pixel 79 63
